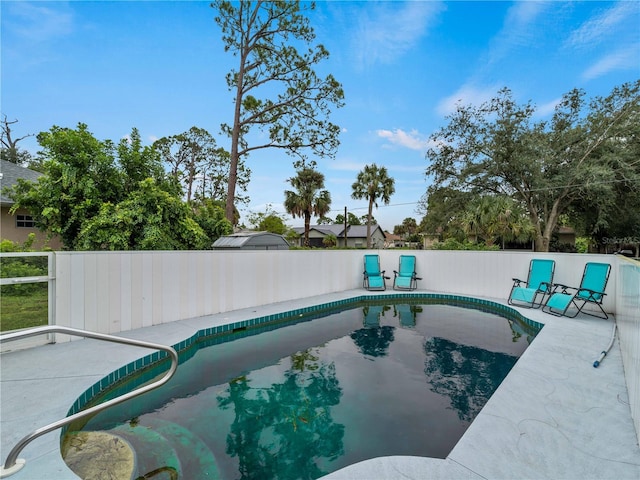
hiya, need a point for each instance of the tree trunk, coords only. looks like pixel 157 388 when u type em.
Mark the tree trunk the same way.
pixel 543 237
pixel 369 223
pixel 235 141
pixel 307 227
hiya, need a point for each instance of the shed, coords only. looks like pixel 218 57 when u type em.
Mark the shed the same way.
pixel 251 241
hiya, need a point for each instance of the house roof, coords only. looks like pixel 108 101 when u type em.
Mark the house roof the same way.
pixel 337 229
pixel 252 241
pixel 9 175
pixel 392 236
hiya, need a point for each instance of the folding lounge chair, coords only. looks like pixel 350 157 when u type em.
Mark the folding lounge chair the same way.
pixel 591 291
pixel 538 284
pixel 374 278
pixel 405 278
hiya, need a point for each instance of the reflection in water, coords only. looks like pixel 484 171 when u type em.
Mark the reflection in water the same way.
pixel 283 431
pixel 467 375
pixel 373 340
pixel 407 314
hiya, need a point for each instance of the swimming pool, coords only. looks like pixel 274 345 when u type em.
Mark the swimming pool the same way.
pixel 403 377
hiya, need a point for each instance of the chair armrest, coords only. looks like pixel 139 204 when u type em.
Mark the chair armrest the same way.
pixel 562 287
pixel 591 292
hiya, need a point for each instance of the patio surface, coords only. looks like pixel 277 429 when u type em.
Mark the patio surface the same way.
pixel 555 416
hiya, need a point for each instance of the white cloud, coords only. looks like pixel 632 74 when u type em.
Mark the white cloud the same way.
pixel 548 108
pixel 347 165
pixel 412 140
pixel 39 22
pixel 622 59
pixel 467 94
pixel 603 25
pixel 519 29
pixel 385 31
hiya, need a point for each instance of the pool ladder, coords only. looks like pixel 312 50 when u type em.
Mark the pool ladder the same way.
pixel 13 464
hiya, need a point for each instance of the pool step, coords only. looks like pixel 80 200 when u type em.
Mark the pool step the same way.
pixel 162 446
pixel 153 453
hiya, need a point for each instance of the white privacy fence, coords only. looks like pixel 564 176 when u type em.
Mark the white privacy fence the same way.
pixel 110 292
pixel 627 310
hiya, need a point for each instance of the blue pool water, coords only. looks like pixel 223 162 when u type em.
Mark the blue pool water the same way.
pixel 310 398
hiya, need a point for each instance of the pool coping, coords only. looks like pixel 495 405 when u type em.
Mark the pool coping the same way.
pixel 554 416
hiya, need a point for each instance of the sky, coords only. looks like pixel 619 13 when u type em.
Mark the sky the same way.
pixel 160 67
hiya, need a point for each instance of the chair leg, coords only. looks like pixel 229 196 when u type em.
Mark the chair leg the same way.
pixel 580 309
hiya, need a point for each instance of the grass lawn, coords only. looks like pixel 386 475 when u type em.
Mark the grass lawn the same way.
pixel 23 311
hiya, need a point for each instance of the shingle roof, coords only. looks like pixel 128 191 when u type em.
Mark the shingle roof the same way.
pixel 9 175
pixel 255 240
pixel 337 229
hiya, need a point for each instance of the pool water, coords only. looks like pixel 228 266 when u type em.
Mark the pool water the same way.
pixel 310 398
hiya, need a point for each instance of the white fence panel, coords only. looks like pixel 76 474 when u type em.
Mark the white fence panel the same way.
pixel 628 321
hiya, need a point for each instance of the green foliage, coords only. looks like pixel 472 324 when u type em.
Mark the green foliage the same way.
pixel 292 237
pixel 97 196
pixel 20 267
pixel 351 219
pixel 408 228
pixel 200 166
pixel 582 245
pixel 268 221
pixel 497 148
pixel 275 87
pixel 209 214
pixel 148 219
pixel 14 267
pixel 453 244
pixel 10 246
pixel 273 224
pixel 308 199
pixel 330 240
pixel 373 183
pixel 493 217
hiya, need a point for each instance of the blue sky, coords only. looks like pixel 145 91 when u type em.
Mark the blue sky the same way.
pixel 160 67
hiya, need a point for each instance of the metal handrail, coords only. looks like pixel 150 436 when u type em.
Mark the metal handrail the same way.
pixel 12 463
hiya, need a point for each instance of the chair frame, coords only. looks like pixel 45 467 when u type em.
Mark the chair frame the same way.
pixel 543 288
pixel 580 294
pixel 379 273
pixel 413 284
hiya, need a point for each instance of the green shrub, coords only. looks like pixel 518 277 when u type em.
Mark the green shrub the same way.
pixel 453 244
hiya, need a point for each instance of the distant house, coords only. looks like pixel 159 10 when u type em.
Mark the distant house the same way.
pixel 356 235
pixel 566 235
pixel 251 241
pixel 391 240
pixel 18 226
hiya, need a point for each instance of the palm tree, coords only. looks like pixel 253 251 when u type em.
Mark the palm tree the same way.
pixel 309 199
pixel 373 183
pixel 493 217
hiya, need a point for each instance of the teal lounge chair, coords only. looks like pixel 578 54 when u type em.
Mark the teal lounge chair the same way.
pixel 591 291
pixel 530 294
pixel 374 278
pixel 405 278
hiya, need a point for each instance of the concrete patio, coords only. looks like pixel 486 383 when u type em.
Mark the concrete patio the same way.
pixel 555 416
